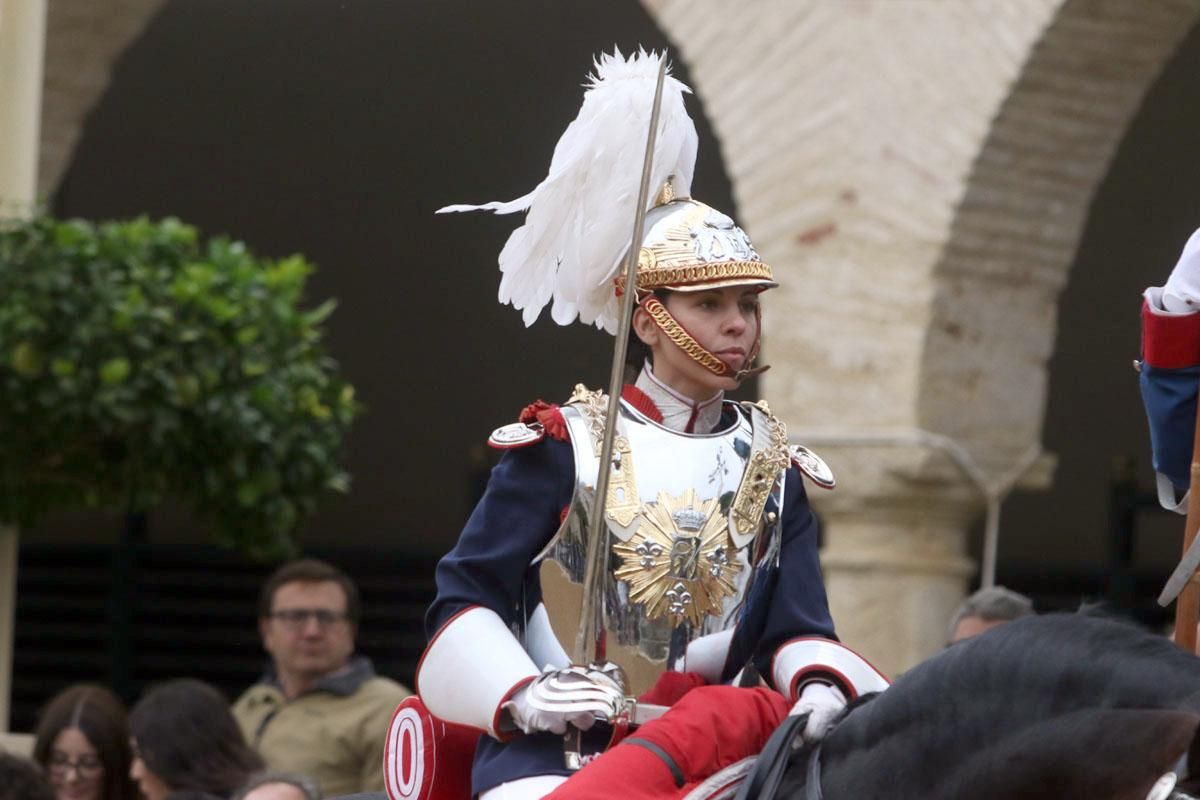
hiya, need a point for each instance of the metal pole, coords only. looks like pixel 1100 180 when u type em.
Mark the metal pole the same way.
pixel 1187 607
pixel 993 490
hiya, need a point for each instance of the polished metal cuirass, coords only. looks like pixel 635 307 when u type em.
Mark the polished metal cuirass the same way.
pixel 690 516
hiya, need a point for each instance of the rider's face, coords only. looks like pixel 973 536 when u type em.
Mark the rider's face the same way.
pixel 724 321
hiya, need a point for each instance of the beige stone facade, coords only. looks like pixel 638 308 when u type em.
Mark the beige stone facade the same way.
pixel 84 39
pixel 919 174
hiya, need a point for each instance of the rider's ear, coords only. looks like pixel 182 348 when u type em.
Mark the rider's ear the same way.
pixel 645 328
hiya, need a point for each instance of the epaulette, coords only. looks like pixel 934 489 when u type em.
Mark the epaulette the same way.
pixel 516 434
pixel 536 421
pixel 813 466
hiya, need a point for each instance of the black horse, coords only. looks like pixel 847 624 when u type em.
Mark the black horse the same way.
pixel 1057 706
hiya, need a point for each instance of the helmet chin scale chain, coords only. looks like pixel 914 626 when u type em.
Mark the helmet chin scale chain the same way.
pixel 696 351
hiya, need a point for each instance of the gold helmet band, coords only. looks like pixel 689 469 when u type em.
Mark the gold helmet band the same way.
pixel 690 246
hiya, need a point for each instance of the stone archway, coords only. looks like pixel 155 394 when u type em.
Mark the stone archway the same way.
pixel 1025 203
pixel 920 175
pixel 84 39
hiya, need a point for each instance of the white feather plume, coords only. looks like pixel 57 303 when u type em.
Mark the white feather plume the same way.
pixel 580 217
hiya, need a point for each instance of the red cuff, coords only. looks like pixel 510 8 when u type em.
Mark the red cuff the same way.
pixel 670 688
pixel 1170 341
pixel 502 735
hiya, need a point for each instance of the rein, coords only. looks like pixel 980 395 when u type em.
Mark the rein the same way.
pixel 763 782
pixel 812 783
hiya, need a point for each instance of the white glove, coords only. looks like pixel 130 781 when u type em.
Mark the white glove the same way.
pixel 1182 292
pixel 558 698
pixel 823 703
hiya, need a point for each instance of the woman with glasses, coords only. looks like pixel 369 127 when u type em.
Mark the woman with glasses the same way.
pixel 185 740
pixel 82 742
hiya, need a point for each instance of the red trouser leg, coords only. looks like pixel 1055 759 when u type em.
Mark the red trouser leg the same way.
pixel 709 729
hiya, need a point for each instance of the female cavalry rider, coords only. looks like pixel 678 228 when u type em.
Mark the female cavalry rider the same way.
pixel 713 566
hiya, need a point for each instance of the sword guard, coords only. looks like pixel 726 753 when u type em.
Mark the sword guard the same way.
pixel 599 688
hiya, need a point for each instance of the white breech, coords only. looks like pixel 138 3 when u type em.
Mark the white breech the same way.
pixel 525 789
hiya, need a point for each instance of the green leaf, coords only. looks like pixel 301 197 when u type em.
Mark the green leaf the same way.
pixel 27 360
pixel 247 493
pixel 252 369
pixel 114 371
pixel 62 368
pixel 187 389
pixel 320 313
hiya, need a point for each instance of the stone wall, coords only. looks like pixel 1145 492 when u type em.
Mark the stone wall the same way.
pixel 84 40
pixel 919 174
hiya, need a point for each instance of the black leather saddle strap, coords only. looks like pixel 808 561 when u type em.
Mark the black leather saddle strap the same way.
pixel 763 782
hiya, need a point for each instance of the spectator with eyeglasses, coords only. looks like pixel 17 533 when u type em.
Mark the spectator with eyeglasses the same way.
pixel 82 744
pixel 319 710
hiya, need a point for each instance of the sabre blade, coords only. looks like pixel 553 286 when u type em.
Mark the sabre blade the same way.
pixel 589 641
pixel 641 713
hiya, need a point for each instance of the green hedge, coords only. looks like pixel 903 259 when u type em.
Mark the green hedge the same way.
pixel 138 363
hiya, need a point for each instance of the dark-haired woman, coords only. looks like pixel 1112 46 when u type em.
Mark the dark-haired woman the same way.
pixel 82 742
pixel 185 739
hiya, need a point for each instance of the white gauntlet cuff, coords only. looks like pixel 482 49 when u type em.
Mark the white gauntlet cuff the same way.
pixel 813 658
pixel 471 668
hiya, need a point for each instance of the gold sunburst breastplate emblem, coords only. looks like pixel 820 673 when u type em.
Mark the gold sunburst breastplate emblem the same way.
pixel 681 563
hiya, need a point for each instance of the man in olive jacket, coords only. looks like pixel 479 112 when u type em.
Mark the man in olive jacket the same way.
pixel 319 710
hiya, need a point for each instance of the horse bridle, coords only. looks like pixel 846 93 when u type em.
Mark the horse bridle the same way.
pixel 763 782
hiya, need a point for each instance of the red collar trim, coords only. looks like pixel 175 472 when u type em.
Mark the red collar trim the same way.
pixel 641 402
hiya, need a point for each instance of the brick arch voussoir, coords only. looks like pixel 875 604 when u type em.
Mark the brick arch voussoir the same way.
pixel 84 40
pixel 983 372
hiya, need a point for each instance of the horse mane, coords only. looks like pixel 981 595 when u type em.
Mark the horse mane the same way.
pixel 1055 703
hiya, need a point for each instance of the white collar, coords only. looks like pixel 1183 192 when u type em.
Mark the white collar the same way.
pixel 677 410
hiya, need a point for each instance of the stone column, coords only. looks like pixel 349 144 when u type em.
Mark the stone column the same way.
pixel 895 569
pixel 894 550
pixel 22 41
